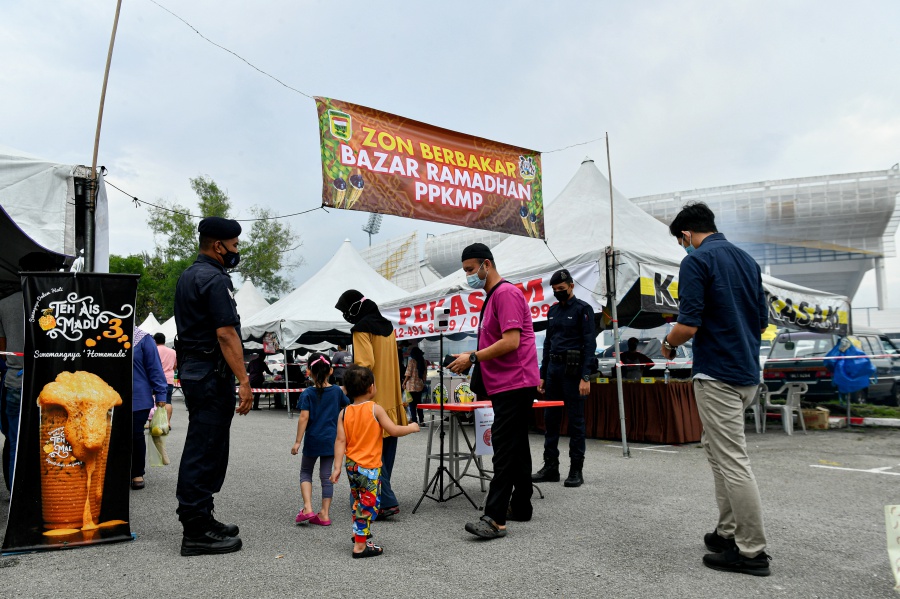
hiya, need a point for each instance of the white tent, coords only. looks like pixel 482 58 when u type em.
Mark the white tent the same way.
pixel 169 330
pixel 578 237
pixel 308 314
pixel 150 324
pixel 249 300
pixel 37 211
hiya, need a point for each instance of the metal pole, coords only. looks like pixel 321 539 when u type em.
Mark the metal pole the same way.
pixel 92 201
pixel 614 314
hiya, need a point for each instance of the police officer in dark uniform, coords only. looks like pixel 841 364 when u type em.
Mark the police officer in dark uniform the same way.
pixel 568 352
pixel 210 356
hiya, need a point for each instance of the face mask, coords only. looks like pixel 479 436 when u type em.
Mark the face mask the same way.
pixel 231 259
pixel 689 248
pixel 473 281
pixel 561 296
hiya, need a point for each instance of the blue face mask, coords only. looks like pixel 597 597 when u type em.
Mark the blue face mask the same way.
pixel 473 281
pixel 688 248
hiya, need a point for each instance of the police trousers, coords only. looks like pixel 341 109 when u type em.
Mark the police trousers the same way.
pixel 210 402
pixel 559 387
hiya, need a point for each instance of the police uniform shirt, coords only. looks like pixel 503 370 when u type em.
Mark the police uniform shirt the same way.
pixel 204 302
pixel 570 326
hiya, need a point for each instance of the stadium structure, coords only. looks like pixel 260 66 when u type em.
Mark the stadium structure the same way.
pixel 397 260
pixel 821 232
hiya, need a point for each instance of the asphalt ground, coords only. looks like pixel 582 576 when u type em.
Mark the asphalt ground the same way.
pixel 635 528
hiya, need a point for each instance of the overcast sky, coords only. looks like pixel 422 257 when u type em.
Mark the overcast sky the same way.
pixel 693 94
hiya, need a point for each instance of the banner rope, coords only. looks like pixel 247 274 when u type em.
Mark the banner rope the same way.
pixel 302 93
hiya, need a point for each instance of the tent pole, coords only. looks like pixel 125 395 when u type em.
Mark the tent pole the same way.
pixel 92 193
pixel 287 396
pixel 611 289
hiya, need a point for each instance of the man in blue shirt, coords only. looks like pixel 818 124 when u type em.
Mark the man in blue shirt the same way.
pixel 723 308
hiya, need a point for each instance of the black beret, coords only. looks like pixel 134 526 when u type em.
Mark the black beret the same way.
pixel 219 228
pixel 477 250
pixel 561 276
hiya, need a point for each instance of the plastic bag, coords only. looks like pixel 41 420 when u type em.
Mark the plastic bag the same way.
pixel 159 428
pixel 406 398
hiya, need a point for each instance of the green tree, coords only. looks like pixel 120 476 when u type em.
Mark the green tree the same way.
pixel 265 247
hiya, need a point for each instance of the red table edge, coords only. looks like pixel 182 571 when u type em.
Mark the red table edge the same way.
pixel 471 406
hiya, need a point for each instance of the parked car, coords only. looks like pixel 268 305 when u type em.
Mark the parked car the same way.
pixel 652 348
pixel 883 387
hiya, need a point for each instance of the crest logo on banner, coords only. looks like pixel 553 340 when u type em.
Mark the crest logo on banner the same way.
pixel 378 162
pixel 73 459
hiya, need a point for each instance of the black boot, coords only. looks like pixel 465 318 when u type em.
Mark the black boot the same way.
pixel 200 538
pixel 575 479
pixel 549 473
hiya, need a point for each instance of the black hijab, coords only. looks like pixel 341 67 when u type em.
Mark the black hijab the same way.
pixel 363 314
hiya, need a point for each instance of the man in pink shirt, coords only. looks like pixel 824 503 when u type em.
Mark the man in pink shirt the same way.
pixel 167 357
pixel 507 360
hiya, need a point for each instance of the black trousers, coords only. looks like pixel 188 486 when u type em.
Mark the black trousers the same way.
pixel 559 387
pixel 511 484
pixel 415 398
pixel 210 402
pixel 138 442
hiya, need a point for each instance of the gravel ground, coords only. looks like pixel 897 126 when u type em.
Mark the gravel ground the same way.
pixel 634 529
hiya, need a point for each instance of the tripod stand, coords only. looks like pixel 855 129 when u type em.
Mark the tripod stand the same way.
pixel 435 488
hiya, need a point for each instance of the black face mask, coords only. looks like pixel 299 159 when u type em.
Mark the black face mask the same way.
pixel 231 259
pixel 352 314
pixel 561 296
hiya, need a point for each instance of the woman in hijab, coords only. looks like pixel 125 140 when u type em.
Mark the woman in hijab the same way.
pixel 375 347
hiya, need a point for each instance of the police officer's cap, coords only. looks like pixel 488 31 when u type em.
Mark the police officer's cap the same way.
pixel 220 228
pixel 561 276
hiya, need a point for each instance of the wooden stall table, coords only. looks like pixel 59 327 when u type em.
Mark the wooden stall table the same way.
pixel 658 412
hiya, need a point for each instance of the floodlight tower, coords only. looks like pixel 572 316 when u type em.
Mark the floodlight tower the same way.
pixel 373 226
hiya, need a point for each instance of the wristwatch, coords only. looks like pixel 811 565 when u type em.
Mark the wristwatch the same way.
pixel 667 345
pixel 586 379
pixel 473 358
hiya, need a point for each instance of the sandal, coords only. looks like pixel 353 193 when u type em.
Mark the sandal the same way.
pixel 316 520
pixel 301 517
pixel 388 512
pixel 485 528
pixel 371 550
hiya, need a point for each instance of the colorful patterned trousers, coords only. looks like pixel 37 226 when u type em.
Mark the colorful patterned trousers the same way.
pixel 365 489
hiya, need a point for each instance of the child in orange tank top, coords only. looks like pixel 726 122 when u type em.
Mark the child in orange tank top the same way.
pixel 359 437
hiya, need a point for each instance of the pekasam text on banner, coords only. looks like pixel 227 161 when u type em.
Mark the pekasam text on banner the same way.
pixel 417 318
pixel 373 161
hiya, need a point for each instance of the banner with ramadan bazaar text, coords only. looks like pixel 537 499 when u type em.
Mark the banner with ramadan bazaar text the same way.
pixel 73 459
pixel 789 306
pixel 374 161
pixel 417 319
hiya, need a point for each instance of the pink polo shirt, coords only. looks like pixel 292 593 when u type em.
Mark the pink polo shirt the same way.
pixel 506 310
pixel 167 357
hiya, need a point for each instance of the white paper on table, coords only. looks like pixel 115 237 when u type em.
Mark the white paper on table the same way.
pixel 484 419
pixel 892 524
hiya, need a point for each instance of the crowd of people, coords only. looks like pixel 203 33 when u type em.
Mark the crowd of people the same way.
pixel 354 411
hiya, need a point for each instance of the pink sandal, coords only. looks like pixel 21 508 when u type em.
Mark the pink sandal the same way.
pixel 316 520
pixel 301 517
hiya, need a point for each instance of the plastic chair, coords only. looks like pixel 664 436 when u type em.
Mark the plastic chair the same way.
pixel 794 392
pixel 756 407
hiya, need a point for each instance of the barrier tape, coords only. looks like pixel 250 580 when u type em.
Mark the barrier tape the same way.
pixel 769 360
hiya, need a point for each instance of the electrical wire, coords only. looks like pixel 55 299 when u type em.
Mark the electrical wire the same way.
pixel 302 93
pixel 235 54
pixel 173 211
